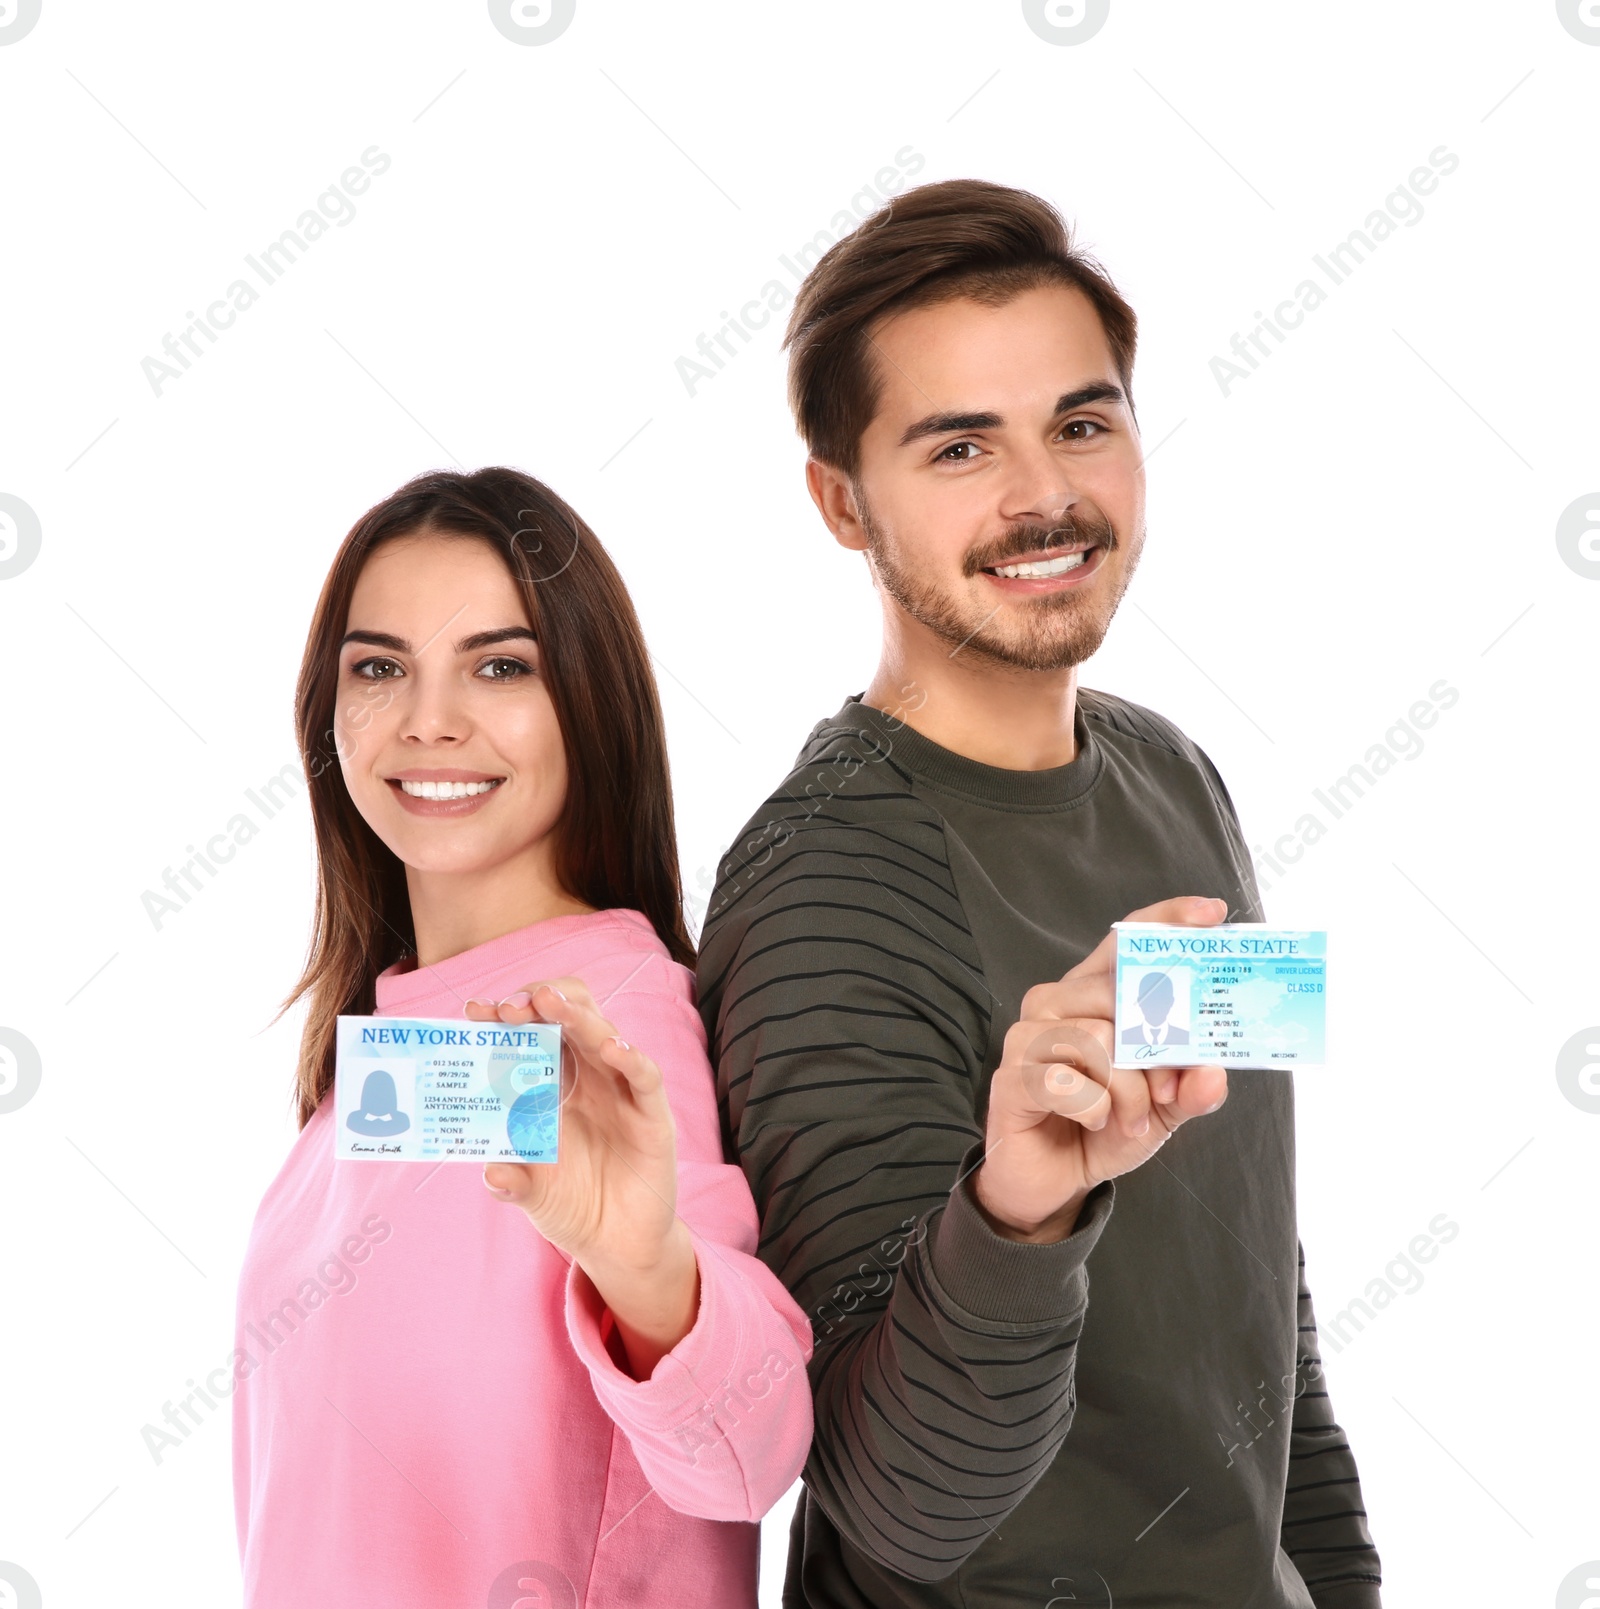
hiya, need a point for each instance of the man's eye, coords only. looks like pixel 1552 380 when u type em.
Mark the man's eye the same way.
pixel 967 449
pixel 503 668
pixel 1082 424
pixel 376 670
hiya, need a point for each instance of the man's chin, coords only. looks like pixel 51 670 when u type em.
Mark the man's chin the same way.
pixel 1047 644
pixel 1031 656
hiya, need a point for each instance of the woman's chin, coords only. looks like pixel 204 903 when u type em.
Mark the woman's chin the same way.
pixel 452 860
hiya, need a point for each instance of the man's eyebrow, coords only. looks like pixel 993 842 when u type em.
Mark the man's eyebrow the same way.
pixel 938 424
pixel 467 645
pixel 1095 391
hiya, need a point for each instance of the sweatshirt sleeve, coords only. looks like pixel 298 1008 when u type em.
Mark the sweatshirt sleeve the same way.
pixel 722 1425
pixel 1324 1519
pixel 850 1020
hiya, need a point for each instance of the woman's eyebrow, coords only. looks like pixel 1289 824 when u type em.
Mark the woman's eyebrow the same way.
pixel 377 639
pixel 487 639
pixel 467 645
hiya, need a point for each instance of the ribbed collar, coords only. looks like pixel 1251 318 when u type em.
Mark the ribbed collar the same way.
pixel 1060 787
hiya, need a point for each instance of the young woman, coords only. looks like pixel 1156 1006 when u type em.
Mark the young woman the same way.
pixel 442 1399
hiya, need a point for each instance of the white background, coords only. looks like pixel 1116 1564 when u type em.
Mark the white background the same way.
pixel 1371 511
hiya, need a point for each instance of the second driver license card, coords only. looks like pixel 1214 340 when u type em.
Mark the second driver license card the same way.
pixel 1238 995
pixel 421 1089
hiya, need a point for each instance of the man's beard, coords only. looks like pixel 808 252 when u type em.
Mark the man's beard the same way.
pixel 1049 632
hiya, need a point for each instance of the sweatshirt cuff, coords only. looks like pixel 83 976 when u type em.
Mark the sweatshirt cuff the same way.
pixel 687 1379
pixel 1347 1595
pixel 1012 1281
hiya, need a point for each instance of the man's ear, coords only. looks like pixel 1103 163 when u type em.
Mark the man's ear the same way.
pixel 835 498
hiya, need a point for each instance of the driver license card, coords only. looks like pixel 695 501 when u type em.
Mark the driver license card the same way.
pixel 420 1089
pixel 1238 995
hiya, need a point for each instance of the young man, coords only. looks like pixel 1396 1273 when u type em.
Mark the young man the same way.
pixel 1032 1385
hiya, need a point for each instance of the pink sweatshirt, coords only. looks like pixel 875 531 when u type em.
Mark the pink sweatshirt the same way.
pixel 426 1413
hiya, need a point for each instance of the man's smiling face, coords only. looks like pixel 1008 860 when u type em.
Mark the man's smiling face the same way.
pixel 1000 492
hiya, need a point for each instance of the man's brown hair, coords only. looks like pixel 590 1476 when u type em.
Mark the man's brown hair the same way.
pixel 958 238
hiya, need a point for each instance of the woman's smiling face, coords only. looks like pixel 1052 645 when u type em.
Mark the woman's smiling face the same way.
pixel 446 733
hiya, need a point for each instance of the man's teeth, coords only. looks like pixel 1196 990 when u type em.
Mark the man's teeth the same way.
pixel 444 790
pixel 1042 567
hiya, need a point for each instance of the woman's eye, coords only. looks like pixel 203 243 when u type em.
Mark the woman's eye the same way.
pixel 376 670
pixel 503 668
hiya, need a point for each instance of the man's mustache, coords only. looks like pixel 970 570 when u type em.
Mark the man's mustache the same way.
pixel 1091 528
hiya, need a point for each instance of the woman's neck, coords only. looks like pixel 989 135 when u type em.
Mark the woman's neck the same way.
pixel 456 911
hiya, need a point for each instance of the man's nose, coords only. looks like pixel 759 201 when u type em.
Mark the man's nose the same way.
pixel 1040 491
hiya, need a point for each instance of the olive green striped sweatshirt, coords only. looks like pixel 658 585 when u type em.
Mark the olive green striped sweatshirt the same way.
pixel 1135 1415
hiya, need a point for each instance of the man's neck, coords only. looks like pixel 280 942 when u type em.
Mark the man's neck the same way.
pixel 1015 720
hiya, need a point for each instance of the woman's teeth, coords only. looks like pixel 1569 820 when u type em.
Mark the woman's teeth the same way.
pixel 1042 567
pixel 445 790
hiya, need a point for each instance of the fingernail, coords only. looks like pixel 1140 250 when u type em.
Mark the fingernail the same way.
pixel 522 998
pixel 622 1044
pixel 475 1001
pixel 1210 1109
pixel 1142 1126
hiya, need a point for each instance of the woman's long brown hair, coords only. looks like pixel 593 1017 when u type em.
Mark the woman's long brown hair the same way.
pixel 615 841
